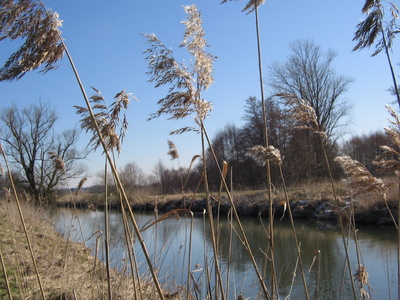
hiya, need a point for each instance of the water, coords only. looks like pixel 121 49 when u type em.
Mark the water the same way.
pixel 168 244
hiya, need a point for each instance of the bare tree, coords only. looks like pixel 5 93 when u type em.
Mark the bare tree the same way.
pixel 42 157
pixel 366 148
pixel 159 173
pixel 132 176
pixel 308 74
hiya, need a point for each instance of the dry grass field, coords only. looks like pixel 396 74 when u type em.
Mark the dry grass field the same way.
pixel 66 269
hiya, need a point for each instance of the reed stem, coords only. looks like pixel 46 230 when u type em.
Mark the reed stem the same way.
pixel 296 241
pixel 115 174
pixel 339 218
pixel 211 220
pixel 28 241
pixel 3 265
pixel 107 233
pixel 241 229
pixel 268 166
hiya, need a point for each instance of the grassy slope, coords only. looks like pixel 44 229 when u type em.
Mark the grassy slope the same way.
pixel 65 267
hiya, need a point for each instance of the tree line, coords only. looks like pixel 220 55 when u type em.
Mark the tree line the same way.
pixel 301 163
pixel 34 148
pixel 36 152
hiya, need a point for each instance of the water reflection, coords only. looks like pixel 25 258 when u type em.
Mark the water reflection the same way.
pixel 168 244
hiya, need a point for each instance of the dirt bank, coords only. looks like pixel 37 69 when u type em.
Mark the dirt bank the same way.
pixel 255 204
pixel 65 269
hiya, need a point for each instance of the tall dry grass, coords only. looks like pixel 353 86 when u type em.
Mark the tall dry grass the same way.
pixel 66 268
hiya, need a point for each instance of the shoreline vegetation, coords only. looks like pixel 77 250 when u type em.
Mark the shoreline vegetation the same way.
pixel 314 203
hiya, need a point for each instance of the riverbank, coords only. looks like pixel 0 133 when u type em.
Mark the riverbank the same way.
pixel 65 269
pixel 315 204
pixel 68 271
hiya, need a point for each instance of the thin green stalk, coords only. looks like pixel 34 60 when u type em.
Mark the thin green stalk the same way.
pixel 156 237
pixel 319 274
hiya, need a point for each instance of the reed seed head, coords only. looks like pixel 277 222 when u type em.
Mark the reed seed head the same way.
pixel 262 155
pixel 39 28
pixel 375 26
pixel 358 176
pixel 107 118
pixel 57 161
pixel 186 83
pixel 388 161
pixel 173 151
pixel 195 42
pixel 389 158
pixel 250 6
pixel 361 277
pixel 302 111
pixel 80 185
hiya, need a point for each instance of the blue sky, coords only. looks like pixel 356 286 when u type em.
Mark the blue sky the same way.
pixel 105 42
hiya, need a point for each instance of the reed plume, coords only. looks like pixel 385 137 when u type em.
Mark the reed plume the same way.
pixel 374 29
pixel 107 118
pixel 184 97
pixel 303 112
pixel 361 277
pixel 359 178
pixel 57 161
pixel 186 84
pixel 29 21
pixel 305 115
pixel 262 155
pixel 173 151
pixel 388 161
pixel 104 122
pixel 389 158
pixel 80 185
pixel 251 6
